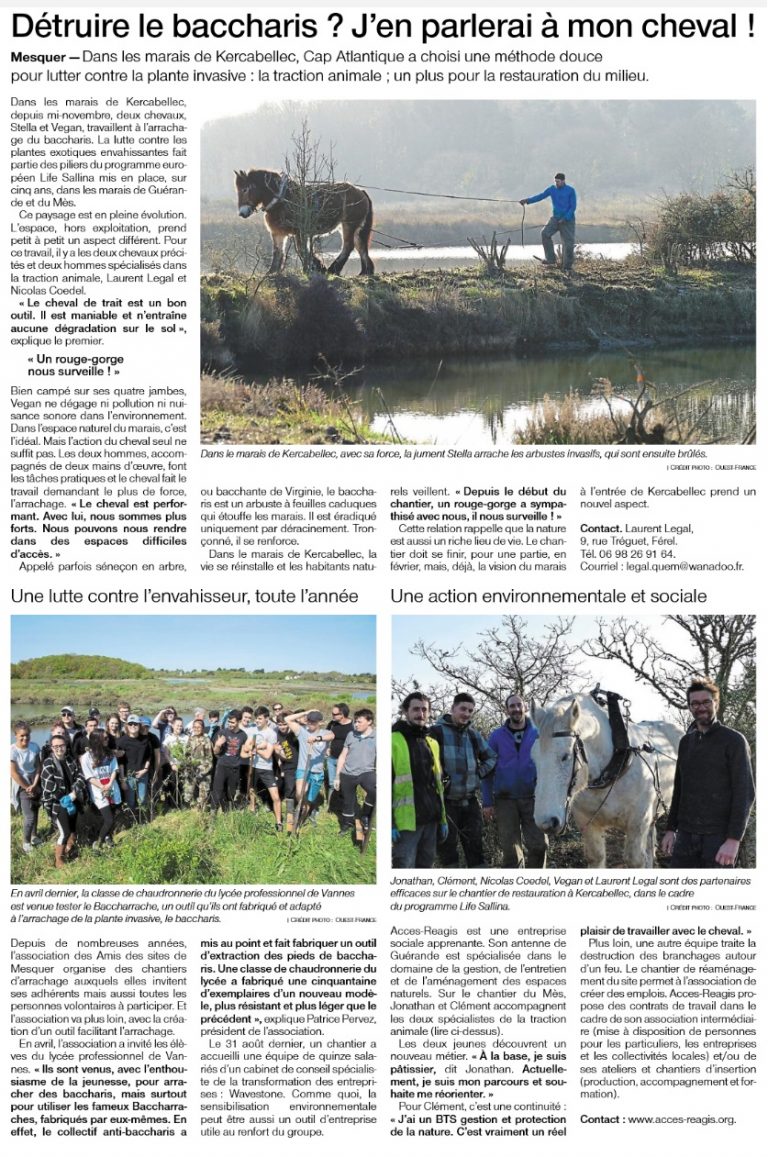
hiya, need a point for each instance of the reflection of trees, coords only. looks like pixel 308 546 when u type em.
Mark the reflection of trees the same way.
pixel 722 409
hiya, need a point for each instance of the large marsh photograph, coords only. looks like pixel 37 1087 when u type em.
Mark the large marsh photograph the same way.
pixel 193 749
pixel 573 742
pixel 475 273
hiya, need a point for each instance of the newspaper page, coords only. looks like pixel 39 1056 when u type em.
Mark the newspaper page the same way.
pixel 381 393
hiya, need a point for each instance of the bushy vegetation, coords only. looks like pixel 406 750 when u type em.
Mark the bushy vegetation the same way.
pixel 564 422
pixel 276 325
pixel 277 412
pixel 692 229
pixel 78 667
pixel 42 699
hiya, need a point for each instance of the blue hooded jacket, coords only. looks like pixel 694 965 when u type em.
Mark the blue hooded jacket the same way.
pixel 514 775
pixel 563 201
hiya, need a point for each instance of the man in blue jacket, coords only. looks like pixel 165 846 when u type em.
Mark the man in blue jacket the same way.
pixel 508 791
pixel 562 221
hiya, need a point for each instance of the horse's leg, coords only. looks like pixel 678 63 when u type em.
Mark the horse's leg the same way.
pixel 279 242
pixel 347 241
pixel 361 245
pixel 638 845
pixel 650 850
pixel 594 846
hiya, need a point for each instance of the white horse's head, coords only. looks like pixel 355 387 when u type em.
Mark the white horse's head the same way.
pixel 574 735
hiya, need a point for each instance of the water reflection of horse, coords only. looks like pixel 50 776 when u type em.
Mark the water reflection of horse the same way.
pixel 305 211
pixel 573 751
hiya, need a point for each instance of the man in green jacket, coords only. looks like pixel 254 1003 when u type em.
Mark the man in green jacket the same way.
pixel 418 808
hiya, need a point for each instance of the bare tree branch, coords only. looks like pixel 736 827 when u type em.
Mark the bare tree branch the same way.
pixel 722 648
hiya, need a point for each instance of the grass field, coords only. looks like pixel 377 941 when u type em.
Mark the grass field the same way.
pixel 187 847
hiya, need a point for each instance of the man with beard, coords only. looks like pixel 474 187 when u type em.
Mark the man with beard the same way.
pixel 508 791
pixel 418 807
pixel 466 758
pixel 714 788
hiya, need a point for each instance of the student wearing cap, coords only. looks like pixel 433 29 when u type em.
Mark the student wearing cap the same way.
pixel 71 724
pixel 562 221
pixel 138 761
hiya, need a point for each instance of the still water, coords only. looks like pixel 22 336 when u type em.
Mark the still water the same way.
pixel 482 401
pixel 459 257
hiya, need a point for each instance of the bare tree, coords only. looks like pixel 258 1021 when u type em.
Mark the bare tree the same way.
pixel 312 176
pixel 507 658
pixel 720 647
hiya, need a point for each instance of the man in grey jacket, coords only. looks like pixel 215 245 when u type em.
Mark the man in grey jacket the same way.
pixel 465 758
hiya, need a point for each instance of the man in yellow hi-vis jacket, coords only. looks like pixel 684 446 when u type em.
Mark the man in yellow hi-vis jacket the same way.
pixel 418 808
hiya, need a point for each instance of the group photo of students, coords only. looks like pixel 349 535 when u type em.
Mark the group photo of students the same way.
pixel 105 771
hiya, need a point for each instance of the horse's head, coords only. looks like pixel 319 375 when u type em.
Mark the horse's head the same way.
pixel 562 754
pixel 252 190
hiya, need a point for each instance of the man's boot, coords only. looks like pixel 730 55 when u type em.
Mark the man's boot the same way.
pixel 59 853
pixel 70 848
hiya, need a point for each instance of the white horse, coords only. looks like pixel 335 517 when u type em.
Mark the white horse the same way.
pixel 573 750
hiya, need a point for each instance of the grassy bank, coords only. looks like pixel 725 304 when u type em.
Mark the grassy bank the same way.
pixel 185 847
pixel 280 412
pixel 285 324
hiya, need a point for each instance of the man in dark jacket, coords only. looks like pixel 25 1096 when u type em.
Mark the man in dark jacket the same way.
pixel 508 792
pixel 63 791
pixel 465 758
pixel 714 788
pixel 418 810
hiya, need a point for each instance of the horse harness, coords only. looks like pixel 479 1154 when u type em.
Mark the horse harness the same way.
pixel 279 195
pixel 623 752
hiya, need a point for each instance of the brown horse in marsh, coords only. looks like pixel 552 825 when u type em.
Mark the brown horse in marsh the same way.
pixel 292 209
